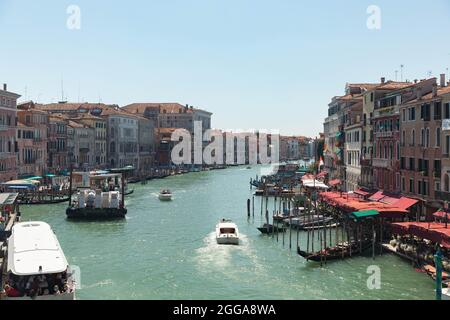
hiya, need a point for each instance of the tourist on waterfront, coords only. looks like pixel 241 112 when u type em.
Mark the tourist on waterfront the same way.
pixel 56 290
pixel 12 292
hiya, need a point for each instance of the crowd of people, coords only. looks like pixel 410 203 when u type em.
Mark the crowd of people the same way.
pixel 38 285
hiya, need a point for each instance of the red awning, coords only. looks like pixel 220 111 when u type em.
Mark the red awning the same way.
pixel 389 200
pixel 322 174
pixel 406 203
pixel 334 182
pixel 436 232
pixel 377 196
pixel 362 192
pixel 441 215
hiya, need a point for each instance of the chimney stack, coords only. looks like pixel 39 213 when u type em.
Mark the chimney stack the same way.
pixel 5 87
pixel 434 90
pixel 442 80
pixel 383 80
pixel 419 93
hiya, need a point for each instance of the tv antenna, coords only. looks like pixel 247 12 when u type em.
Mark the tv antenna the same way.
pixel 401 72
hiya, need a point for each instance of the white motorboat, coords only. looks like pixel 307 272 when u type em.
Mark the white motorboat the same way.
pixel 36 267
pixel 165 195
pixel 227 232
pixel 446 294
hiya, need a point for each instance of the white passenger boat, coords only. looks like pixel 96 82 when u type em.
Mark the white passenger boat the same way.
pixel 227 232
pixel 165 195
pixel 36 267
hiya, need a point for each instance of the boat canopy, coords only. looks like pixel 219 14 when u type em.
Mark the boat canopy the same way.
pixel 34 249
pixel 8 198
pixel 34 178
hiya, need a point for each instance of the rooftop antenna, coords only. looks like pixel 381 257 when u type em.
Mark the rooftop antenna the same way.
pixel 401 72
pixel 62 89
pixel 78 92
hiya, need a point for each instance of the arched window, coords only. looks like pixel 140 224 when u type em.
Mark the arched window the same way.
pixel 446 183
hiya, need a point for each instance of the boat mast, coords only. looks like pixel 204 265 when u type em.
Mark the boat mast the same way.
pixel 70 186
pixel 123 190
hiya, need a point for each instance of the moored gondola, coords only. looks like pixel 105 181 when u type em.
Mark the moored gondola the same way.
pixel 268 228
pixel 335 253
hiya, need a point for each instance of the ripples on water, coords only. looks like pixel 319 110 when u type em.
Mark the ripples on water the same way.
pixel 168 250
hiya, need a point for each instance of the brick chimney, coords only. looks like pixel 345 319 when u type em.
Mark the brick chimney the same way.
pixel 383 80
pixel 5 87
pixel 442 80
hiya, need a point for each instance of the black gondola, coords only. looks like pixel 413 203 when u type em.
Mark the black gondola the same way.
pixel 335 253
pixel 268 228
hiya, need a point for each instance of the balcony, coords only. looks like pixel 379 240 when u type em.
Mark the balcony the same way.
pixel 4 127
pixel 384 134
pixel 441 195
pixel 382 163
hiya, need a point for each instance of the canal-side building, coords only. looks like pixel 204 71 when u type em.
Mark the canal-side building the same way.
pixel 100 139
pixel 353 145
pixel 370 98
pixel 443 95
pixel 334 130
pixel 81 145
pixel 8 122
pixel 421 123
pixel 166 118
pixel 123 140
pixel 172 115
pixel 386 134
pixel 146 142
pixel 58 157
pixel 117 144
pixel 31 140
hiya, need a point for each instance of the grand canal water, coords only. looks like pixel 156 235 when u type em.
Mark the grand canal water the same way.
pixel 167 250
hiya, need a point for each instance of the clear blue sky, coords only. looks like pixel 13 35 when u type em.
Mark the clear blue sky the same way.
pixel 253 63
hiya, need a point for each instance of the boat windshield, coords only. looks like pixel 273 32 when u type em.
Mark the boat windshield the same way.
pixel 227 230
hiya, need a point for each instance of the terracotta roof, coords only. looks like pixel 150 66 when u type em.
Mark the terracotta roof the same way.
pixel 70 106
pixel 168 107
pixel 75 124
pixel 393 85
pixel 428 97
pixel 56 118
pixel 366 86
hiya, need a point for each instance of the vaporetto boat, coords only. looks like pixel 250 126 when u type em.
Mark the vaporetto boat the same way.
pixel 36 266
